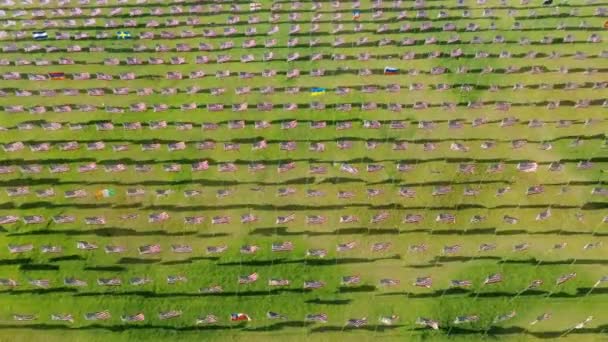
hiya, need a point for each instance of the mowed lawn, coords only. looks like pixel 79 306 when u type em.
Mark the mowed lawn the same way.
pixel 576 220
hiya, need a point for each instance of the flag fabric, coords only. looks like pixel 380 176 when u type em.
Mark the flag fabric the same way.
pixel 57 76
pixel 351 280
pixel 493 279
pixel 502 318
pixel 40 35
pixel 237 317
pixel 565 278
pixel 139 317
pixel 209 319
pixel 274 315
pixel 428 322
pixel 424 282
pixel 98 316
pixel 282 246
pixel 315 91
pixel 319 318
pixel 356 322
pixel 248 279
pixel 255 6
pixel 391 71
pixel 466 319
pixel 460 283
pixel 545 316
pixel 535 284
pixel 388 320
pixel 123 35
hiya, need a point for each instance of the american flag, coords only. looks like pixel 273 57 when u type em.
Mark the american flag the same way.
pixel 343 247
pixel 274 315
pixel 62 317
pixel 320 253
pixel 427 322
pixel 209 319
pixel 466 319
pixel 380 246
pixel 313 284
pixel 389 282
pixel 248 279
pixel 535 284
pixel 564 278
pixel 98 316
pixel 424 282
pixel 356 322
pixel 507 316
pixel 278 282
pixel 351 280
pixel 460 283
pixel 493 279
pixel 249 249
pixel 139 317
pixel 545 316
pixel 319 318
pixel 149 249
pixel 388 320
pixel 285 246
pixel 285 219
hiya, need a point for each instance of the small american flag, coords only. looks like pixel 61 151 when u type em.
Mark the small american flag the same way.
pixel 460 283
pixel 380 246
pixel 314 284
pixel 282 246
pixel 428 323
pixel 565 278
pixel 493 279
pixel 149 249
pixel 357 322
pixel 343 247
pixel 209 319
pixel 98 316
pixel 424 282
pixel 466 319
pixel 139 317
pixel 248 279
pixel 319 318
pixel 351 280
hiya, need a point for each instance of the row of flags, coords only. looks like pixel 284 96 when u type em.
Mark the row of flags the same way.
pixel 387 320
pixel 283 246
pixel 43 35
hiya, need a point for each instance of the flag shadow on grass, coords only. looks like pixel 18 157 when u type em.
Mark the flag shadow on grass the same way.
pixel 282 231
pixel 151 294
pixel 188 260
pixel 73 257
pixel 40 291
pixel 356 289
pixel 20 261
pixel 280 326
pixel 107 231
pixel 373 327
pixel 309 262
pixel 38 267
pixel 105 268
pixel 328 301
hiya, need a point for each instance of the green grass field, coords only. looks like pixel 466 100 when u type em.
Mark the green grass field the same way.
pixel 576 218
